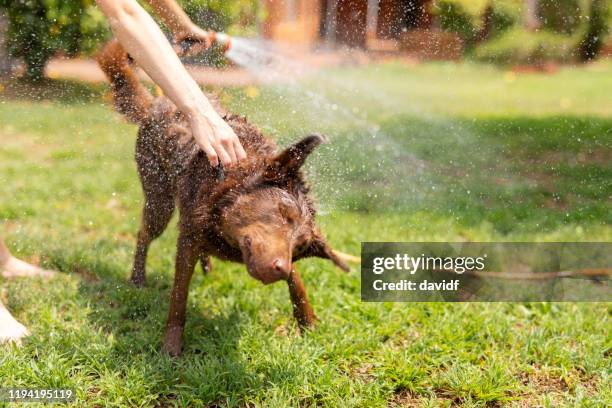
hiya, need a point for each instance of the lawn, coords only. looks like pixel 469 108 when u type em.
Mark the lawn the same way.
pixel 433 152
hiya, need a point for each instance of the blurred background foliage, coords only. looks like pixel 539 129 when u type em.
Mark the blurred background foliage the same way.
pixel 521 46
pixel 237 17
pixel 493 31
pixel 562 16
pixel 496 31
pixel 40 29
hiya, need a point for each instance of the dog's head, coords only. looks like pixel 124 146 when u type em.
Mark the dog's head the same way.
pixel 270 217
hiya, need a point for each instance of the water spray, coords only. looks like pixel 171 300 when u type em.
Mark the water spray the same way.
pixel 270 65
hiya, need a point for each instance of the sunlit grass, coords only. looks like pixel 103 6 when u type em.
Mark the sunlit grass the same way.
pixel 535 170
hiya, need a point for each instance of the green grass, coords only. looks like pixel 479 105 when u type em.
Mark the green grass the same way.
pixel 461 152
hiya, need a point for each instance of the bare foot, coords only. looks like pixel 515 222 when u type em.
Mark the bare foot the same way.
pixel 10 329
pixel 14 268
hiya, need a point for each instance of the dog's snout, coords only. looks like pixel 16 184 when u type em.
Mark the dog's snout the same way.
pixel 281 266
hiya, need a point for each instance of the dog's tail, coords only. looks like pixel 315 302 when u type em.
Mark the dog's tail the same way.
pixel 131 97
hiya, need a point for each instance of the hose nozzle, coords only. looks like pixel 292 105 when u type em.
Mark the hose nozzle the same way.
pixel 223 40
pixel 190 45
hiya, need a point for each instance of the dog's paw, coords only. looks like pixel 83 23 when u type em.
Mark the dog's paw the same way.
pixel 11 331
pixel 308 323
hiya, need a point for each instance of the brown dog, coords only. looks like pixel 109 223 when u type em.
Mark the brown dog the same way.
pixel 259 213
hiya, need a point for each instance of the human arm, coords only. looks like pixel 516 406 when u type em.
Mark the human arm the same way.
pixel 172 15
pixel 144 41
pixel 181 26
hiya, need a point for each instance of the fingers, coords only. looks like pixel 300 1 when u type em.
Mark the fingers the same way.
pixel 213 159
pixel 224 157
pixel 218 141
pixel 198 48
pixel 240 153
pixel 188 44
pixel 189 49
pixel 228 145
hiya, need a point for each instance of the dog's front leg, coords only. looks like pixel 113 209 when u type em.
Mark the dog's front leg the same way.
pixel 186 257
pixel 302 311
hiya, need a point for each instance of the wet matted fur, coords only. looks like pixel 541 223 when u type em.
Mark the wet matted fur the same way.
pixel 258 212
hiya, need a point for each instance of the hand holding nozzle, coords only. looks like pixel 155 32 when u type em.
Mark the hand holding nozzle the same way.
pixel 196 40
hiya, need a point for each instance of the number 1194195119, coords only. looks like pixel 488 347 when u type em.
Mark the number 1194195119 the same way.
pixel 36 395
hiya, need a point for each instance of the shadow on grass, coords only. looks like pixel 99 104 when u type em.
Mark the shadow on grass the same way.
pixel 511 172
pixel 210 370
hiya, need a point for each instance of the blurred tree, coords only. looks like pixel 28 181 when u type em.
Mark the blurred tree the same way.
pixel 561 16
pixel 486 23
pixel 597 30
pixel 503 15
pixel 532 20
pixel 417 13
pixel 223 15
pixel 5 62
pixel 476 23
pixel 451 16
pixel 40 28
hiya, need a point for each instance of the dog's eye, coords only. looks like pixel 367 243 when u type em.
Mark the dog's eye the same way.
pixel 289 212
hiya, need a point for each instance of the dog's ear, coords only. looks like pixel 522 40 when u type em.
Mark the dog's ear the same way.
pixel 287 163
pixel 320 248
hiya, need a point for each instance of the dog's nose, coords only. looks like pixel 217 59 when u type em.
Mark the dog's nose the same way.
pixel 282 266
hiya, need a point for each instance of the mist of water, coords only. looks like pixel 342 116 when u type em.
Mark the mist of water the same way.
pixel 378 165
pixel 286 76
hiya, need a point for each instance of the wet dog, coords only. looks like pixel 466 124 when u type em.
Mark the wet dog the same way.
pixel 258 212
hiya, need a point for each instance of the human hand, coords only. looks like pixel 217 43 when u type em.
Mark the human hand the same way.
pixel 217 139
pixel 192 41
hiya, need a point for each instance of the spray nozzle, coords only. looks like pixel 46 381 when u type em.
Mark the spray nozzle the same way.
pixel 190 45
pixel 224 40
